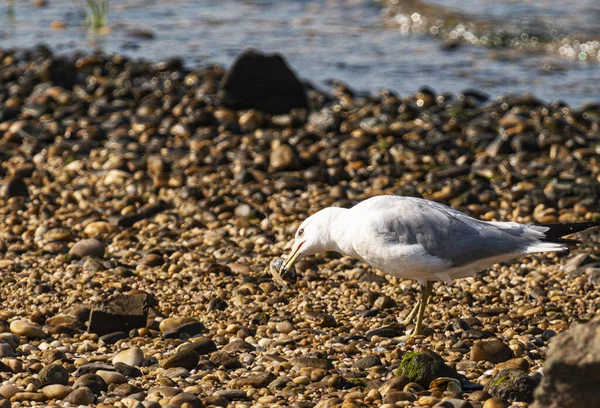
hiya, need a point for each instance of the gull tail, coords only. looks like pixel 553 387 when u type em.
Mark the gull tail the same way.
pixel 553 240
pixel 555 232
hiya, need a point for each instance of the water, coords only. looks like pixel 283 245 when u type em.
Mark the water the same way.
pixel 360 42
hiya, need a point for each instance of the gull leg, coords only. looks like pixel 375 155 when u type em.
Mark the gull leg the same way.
pixel 411 316
pixel 425 294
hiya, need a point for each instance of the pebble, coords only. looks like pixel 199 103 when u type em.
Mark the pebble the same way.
pixel 193 201
pixel 181 358
pixel 495 403
pixel 56 391
pixel 493 350
pixel 87 247
pixel 54 374
pixel 9 390
pixel 133 357
pixel 81 396
pixel 6 350
pixel 111 377
pixel 23 328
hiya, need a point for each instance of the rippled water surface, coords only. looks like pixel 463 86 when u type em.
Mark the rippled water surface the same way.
pixel 324 39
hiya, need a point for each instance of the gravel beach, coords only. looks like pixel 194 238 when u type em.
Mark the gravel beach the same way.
pixel 139 216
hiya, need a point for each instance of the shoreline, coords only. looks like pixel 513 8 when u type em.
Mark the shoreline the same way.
pixel 132 198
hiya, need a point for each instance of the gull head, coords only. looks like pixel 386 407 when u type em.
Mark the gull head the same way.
pixel 312 236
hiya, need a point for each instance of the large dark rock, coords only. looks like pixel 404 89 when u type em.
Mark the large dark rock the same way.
pixel 122 313
pixel 512 384
pixel 263 82
pixel 54 374
pixel 572 370
pixel 14 187
pixel 425 367
pixel 201 345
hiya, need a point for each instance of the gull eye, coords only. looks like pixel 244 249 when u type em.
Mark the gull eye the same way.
pixel 300 232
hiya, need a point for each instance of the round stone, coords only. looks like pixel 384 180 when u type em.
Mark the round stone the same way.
pixel 181 358
pixel 87 247
pixel 26 329
pixel 133 357
pixel 56 391
pixel 492 350
pixel 6 350
pixel 81 396
pixel 98 228
pixel 9 390
pixel 112 377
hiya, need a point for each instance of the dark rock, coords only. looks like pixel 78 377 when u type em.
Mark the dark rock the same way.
pixel 54 374
pixel 187 398
pixel 572 370
pixel 225 359
pixel 201 345
pixel 423 368
pixel 283 157
pixel 263 82
pixel 259 380
pixel 314 362
pixel 181 358
pixel 231 395
pixel 14 187
pixel 127 370
pixel 189 329
pixel 215 400
pixel 238 345
pixel 92 368
pixel 176 372
pixel 127 389
pixel 367 362
pixel 512 384
pixel 384 302
pixel 122 313
pixel 492 350
pixel 93 382
pixel 112 338
pixel 387 332
pixel 145 212
pixel 81 396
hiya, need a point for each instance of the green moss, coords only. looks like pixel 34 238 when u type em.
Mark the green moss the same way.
pixel 410 366
pixel 358 382
pixel 498 381
pixel 425 367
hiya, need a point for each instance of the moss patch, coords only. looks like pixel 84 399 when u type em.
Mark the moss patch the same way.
pixel 425 367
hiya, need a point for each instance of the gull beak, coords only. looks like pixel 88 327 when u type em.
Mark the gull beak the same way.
pixel 287 265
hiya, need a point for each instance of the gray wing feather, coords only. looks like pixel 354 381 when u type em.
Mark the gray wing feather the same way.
pixel 447 233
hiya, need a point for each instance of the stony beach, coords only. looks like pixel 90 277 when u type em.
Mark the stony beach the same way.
pixel 141 204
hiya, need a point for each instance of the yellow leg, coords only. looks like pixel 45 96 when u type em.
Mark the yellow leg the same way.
pixel 425 294
pixel 411 316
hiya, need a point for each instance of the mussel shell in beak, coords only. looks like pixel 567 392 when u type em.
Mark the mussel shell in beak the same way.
pixel 282 276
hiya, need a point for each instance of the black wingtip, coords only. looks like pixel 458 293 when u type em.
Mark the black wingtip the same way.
pixel 556 232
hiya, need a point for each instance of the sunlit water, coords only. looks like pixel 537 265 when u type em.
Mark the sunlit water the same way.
pixel 323 39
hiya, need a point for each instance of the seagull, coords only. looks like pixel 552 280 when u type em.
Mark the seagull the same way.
pixel 413 238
